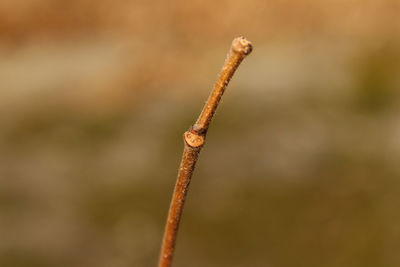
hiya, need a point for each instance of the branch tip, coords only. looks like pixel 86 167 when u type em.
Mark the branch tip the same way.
pixel 242 45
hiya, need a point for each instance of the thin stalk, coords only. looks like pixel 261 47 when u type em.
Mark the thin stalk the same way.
pixel 193 142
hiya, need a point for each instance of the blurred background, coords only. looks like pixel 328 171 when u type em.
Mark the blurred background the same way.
pixel 301 164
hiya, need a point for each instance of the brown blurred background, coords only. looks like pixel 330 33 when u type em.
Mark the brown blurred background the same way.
pixel 301 165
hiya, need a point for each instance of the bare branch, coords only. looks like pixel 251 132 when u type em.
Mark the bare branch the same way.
pixel 194 140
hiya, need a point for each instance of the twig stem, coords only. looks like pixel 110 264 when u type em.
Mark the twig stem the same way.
pixel 193 142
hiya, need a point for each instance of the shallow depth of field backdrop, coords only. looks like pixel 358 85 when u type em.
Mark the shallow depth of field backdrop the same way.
pixel 301 165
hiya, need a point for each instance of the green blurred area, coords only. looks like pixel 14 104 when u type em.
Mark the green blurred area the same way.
pixel 300 166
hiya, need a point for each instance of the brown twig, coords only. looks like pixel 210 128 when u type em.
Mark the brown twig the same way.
pixel 194 141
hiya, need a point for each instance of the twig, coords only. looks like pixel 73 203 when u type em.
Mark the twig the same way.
pixel 194 141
